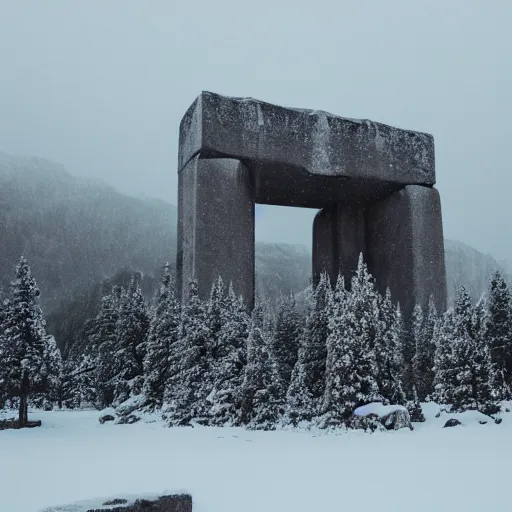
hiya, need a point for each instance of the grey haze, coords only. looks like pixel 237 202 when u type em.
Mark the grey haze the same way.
pixel 101 87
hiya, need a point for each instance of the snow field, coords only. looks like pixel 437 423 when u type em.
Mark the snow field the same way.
pixel 72 457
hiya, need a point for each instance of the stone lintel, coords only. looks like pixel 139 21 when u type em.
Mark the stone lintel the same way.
pixel 262 135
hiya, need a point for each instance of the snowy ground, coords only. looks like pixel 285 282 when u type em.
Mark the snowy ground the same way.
pixel 72 457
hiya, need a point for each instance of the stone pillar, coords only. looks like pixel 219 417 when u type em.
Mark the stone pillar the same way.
pixel 216 226
pixel 406 247
pixel 338 239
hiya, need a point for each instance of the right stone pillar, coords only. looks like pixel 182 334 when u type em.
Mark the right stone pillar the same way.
pixel 406 247
pixel 339 236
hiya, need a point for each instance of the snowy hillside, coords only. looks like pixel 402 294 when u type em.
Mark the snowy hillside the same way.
pixel 77 233
pixel 72 457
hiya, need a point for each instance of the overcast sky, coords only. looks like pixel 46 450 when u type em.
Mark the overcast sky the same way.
pixel 101 86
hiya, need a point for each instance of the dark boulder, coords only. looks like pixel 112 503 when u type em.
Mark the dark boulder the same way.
pixel 452 422
pixel 376 416
pixel 105 418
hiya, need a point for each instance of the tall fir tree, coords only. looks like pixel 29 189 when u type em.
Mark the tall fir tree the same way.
pixel 444 374
pixel 78 388
pixel 159 361
pixel 3 355
pixel 25 341
pixel 52 373
pixel 499 334
pixel 230 361
pixel 464 369
pixel 307 384
pixel 186 393
pixel 485 397
pixel 411 337
pixel 131 334
pixel 351 361
pixel 423 362
pixel 285 342
pixel 473 372
pixel 260 398
pixel 217 315
pixel 103 336
pixel 387 351
pixel 336 306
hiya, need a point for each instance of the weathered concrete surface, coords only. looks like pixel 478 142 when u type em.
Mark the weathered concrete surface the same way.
pixel 406 247
pixel 373 183
pixel 295 146
pixel 339 237
pixel 167 503
pixel 216 226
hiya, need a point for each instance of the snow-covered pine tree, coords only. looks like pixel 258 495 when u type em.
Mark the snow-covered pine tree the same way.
pixel 3 360
pixel 131 333
pixel 336 303
pixel 351 362
pixel 463 351
pixel 307 384
pixel 423 362
pixel 103 336
pixel 230 361
pixel 51 372
pixel 483 371
pixel 218 315
pixel 285 342
pixel 159 362
pixel 388 351
pixel 79 383
pixel 411 337
pixel 24 349
pixel 185 394
pixel 469 373
pixel 444 375
pixel 261 403
pixel 499 334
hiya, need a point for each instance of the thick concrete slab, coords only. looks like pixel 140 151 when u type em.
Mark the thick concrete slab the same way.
pixel 294 146
pixel 216 226
pixel 406 247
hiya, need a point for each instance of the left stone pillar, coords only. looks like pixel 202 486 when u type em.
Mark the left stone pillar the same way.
pixel 215 226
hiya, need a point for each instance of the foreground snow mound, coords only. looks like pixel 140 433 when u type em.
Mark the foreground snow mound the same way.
pixel 439 414
pixel 376 416
pixel 71 457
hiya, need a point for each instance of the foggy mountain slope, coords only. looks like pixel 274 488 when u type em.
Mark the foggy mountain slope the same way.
pixel 281 268
pixel 469 267
pixel 75 232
